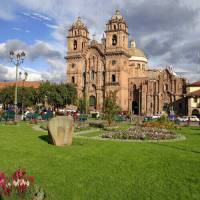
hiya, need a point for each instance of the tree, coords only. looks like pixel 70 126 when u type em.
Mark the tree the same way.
pixel 26 96
pixel 110 107
pixel 82 105
pixel 57 95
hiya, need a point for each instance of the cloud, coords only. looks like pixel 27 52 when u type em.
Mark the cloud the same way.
pixel 8 73
pixel 166 30
pixel 53 26
pixel 20 29
pixel 16 29
pixel 54 69
pixel 37 50
pixel 7 10
pixel 43 17
pixel 3 71
pixel 37 16
pixel 44 50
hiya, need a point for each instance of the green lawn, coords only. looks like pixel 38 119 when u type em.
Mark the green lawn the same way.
pixel 92 169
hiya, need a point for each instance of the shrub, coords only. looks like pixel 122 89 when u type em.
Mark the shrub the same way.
pixel 96 124
pixel 166 124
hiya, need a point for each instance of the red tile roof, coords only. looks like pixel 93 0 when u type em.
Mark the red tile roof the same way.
pixel 195 84
pixel 34 84
pixel 194 94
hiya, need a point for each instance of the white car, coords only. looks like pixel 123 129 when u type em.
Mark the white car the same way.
pixel 156 117
pixel 183 119
pixel 194 118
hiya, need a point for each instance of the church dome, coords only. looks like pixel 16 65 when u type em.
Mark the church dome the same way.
pixel 79 24
pixel 117 16
pixel 137 54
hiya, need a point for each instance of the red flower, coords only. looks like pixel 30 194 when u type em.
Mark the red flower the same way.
pixel 20 173
pixel 2 179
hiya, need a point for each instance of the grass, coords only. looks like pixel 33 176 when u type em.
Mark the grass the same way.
pixel 93 170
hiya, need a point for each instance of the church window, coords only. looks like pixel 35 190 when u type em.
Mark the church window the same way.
pixel 73 65
pixel 113 62
pixel 92 101
pixel 114 40
pixel 75 44
pixel 113 78
pixel 82 45
pixel 73 79
pixel 138 66
pixel 166 87
pixel 115 27
pixel 92 74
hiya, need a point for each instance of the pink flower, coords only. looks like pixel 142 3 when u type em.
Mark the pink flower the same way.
pixel 20 173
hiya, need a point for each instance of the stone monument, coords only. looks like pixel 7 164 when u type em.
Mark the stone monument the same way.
pixel 60 130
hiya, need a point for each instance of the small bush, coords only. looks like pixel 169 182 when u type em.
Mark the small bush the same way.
pixel 96 124
pixel 161 123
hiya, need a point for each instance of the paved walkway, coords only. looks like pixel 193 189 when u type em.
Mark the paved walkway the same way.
pixel 87 131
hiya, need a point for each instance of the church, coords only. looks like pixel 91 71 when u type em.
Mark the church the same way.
pixel 116 64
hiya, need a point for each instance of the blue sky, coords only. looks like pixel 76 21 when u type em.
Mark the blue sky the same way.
pixel 168 32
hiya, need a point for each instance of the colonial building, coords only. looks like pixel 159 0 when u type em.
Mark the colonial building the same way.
pixel 193 96
pixel 117 65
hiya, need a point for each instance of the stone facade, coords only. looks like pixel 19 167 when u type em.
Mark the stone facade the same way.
pixel 114 65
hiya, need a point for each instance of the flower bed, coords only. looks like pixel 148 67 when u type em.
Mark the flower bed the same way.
pixel 19 186
pixel 141 133
pixel 162 125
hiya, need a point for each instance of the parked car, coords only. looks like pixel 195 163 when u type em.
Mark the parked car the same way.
pixel 183 119
pixel 95 114
pixel 155 116
pixel 194 118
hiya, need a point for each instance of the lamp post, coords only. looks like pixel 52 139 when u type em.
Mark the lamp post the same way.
pixel 17 58
pixel 24 79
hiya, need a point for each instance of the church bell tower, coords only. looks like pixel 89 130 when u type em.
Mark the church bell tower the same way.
pixel 117 58
pixel 77 42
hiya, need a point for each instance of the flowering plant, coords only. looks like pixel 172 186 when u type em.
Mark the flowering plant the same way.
pixel 19 185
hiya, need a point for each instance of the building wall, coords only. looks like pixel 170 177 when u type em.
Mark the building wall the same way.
pixel 193 101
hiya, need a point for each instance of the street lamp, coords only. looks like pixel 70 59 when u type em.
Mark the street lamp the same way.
pixel 24 79
pixel 17 58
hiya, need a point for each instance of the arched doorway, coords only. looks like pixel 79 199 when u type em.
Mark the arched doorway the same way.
pixel 196 112
pixel 92 101
pixel 135 108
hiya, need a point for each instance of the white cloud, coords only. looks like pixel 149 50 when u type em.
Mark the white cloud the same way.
pixel 37 16
pixel 16 29
pixel 161 29
pixel 43 17
pixel 10 73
